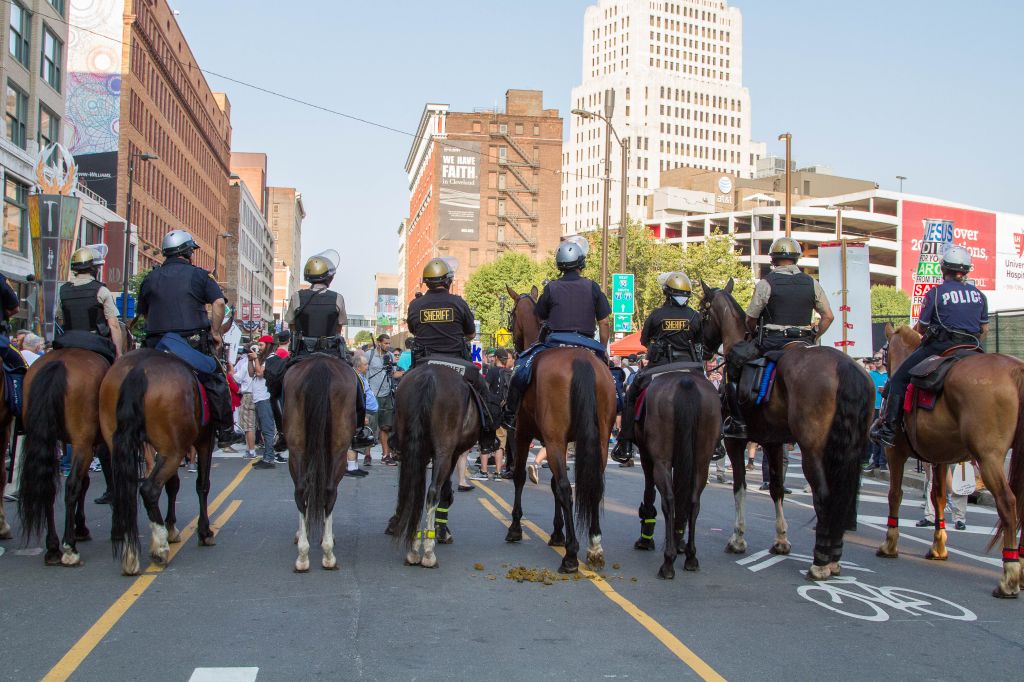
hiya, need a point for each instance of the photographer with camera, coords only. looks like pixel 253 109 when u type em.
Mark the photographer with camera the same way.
pixel 256 411
pixel 381 376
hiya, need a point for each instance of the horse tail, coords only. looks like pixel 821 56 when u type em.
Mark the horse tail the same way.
pixel 847 440
pixel 417 450
pixel 686 417
pixel 317 456
pixel 127 461
pixel 589 449
pixel 1016 474
pixel 44 423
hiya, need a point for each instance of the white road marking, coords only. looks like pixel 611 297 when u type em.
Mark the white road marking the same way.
pixel 224 675
pixel 758 561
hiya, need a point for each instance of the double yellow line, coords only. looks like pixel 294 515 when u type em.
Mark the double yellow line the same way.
pixel 660 632
pixel 85 645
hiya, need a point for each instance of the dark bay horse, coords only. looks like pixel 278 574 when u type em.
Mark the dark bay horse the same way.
pixel 62 390
pixel 571 399
pixel 319 420
pixel 823 400
pixel 979 415
pixel 679 432
pixel 150 398
pixel 436 420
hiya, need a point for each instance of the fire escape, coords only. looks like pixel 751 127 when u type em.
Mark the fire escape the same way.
pixel 521 225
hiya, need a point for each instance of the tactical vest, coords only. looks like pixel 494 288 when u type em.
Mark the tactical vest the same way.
pixel 318 313
pixel 81 309
pixel 572 306
pixel 792 299
pixel 173 307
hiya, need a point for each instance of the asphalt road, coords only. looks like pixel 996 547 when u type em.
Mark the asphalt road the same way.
pixel 237 611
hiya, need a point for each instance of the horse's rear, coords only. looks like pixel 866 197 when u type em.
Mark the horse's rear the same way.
pixel 61 406
pixel 571 399
pixel 149 399
pixel 435 421
pixel 681 427
pixel 319 421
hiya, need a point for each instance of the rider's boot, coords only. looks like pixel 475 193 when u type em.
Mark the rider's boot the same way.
pixel 623 451
pixel 735 426
pixel 883 432
pixel 512 400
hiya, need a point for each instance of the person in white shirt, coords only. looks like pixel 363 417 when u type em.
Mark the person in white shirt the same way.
pixel 247 410
pixel 261 402
pixel 32 348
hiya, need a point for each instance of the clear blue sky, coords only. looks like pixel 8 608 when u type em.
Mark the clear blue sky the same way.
pixel 929 89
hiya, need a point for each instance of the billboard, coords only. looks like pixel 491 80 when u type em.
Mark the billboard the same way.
pixel 459 200
pixel 387 307
pixel 974 230
pixel 1009 262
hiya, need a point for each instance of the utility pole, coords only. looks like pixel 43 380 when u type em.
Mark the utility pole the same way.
pixel 788 137
pixel 609 108
pixel 625 198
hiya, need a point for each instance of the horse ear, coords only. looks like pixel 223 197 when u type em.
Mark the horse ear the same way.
pixel 889 331
pixel 534 293
pixel 512 292
pixel 728 286
pixel 705 288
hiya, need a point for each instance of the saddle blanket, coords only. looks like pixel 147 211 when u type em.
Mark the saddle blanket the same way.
pixel 177 346
pixel 522 375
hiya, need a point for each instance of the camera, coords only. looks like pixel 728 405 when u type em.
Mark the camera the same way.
pixel 254 349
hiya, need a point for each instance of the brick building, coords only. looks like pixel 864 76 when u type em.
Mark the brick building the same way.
pixel 250 248
pixel 481 183
pixel 151 92
pixel 286 212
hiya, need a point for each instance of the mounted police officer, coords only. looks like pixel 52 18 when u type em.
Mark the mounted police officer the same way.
pixel 671 333
pixel 953 313
pixel 173 298
pixel 442 325
pixel 570 304
pixel 317 318
pixel 781 311
pixel 14 363
pixel 86 306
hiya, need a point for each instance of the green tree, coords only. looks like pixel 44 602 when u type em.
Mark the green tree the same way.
pixel 486 288
pixel 713 262
pixel 363 336
pixel 888 301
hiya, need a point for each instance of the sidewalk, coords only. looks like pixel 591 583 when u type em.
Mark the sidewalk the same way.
pixel 912 479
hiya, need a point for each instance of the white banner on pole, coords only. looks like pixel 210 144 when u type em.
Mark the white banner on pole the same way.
pixel 853 317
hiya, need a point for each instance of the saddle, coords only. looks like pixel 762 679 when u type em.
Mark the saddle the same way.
pixel 77 338
pixel 653 372
pixel 928 377
pixel 758 377
pixel 523 373
pixel 470 374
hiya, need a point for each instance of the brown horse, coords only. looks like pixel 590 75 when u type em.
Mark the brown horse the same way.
pixel 979 415
pixel 822 400
pixel 677 437
pixel 319 420
pixel 62 390
pixel 6 418
pixel 153 398
pixel 436 421
pixel 571 399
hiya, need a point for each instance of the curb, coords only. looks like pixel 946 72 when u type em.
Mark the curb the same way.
pixel 912 479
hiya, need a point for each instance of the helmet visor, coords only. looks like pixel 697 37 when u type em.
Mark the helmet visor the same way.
pixel 580 241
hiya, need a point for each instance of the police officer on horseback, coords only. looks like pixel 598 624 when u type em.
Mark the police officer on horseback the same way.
pixel 443 324
pixel 953 313
pixel 317 318
pixel 780 312
pixel 173 298
pixel 671 333
pixel 12 359
pixel 571 304
pixel 86 306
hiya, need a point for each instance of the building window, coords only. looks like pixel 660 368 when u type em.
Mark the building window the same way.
pixel 58 5
pixel 15 216
pixel 20 31
pixel 49 127
pixel 17 105
pixel 53 50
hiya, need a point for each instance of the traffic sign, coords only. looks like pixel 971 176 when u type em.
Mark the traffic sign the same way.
pixel 622 322
pixel 502 337
pixel 622 294
pixel 131 305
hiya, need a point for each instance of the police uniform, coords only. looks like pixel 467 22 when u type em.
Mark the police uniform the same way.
pixel 573 303
pixel 440 321
pixel 85 304
pixel 783 302
pixel 315 315
pixel 12 359
pixel 173 298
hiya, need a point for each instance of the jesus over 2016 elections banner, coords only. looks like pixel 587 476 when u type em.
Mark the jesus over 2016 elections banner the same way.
pixel 974 230
pixel 459 202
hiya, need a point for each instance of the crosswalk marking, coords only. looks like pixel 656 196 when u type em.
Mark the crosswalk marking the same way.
pixel 224 675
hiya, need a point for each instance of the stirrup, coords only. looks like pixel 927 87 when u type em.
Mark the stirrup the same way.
pixel 363 438
pixel 883 435
pixel 489 443
pixel 733 428
pixel 623 451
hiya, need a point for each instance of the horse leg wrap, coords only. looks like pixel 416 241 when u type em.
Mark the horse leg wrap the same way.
pixel 648 526
pixel 1011 555
pixel 425 534
pixel 441 516
pixel 892 522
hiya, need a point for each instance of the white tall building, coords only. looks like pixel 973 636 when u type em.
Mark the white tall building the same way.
pixel 676 69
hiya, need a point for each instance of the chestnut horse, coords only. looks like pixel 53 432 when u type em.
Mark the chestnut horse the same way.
pixel 436 421
pixel 677 437
pixel 62 391
pixel 153 398
pixel 823 400
pixel 571 399
pixel 979 415
pixel 319 420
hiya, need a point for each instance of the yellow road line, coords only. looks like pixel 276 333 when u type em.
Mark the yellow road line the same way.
pixel 95 634
pixel 660 632
pixel 497 514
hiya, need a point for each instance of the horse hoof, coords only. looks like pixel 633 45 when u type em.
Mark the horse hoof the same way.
pixel 835 569
pixel 301 570
pixel 932 556
pixel 782 548
pixel 595 561
pixel 668 573
pixel 159 559
pixel 71 560
pixel 513 535
pixel 5 532
pixel 691 565
pixel 429 562
pixel 883 554
pixel 52 559
pixel 412 559
pixel 818 573
pixel 569 567
pixel 730 548
pixel 556 541
pixel 999 594
pixel 83 536
pixel 645 545
pixel 444 536
pixel 173 535
pixel 331 567
pixel 207 541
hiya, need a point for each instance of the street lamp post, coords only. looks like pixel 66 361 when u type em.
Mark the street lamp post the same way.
pixel 216 251
pixel 901 178
pixel 128 227
pixel 788 137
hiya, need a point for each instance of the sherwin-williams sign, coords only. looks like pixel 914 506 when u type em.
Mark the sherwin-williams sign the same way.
pixel 459 200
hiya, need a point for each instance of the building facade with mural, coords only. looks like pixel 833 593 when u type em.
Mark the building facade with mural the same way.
pixel 481 183
pixel 134 87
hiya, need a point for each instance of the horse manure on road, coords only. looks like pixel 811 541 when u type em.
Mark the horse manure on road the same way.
pixel 478 566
